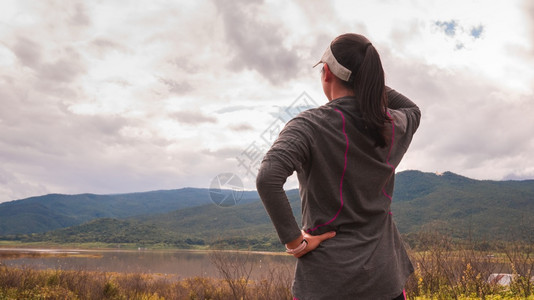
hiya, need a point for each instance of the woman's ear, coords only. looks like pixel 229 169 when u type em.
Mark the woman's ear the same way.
pixel 327 73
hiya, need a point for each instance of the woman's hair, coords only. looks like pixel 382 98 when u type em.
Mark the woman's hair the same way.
pixel 356 53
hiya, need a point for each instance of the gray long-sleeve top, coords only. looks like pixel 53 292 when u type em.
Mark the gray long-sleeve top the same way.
pixel 345 185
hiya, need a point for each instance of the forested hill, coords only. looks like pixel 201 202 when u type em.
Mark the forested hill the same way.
pixel 483 209
pixel 462 206
pixel 53 211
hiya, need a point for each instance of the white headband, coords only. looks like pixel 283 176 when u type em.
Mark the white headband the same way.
pixel 335 67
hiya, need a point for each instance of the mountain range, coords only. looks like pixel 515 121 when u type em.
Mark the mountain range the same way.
pixel 53 211
pixel 460 206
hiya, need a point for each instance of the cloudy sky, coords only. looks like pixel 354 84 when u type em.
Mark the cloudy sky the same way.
pixel 109 97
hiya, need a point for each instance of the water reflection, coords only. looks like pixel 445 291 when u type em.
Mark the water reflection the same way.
pixel 180 263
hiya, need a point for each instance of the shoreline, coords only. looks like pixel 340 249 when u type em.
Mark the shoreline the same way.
pixel 59 249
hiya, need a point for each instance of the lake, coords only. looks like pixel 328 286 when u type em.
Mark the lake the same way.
pixel 174 263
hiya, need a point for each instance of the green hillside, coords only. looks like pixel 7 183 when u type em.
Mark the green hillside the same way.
pixel 244 225
pixel 462 207
pixel 105 230
pixel 248 221
pixel 49 212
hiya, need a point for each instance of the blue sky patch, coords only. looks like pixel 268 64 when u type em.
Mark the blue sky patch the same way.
pixel 448 27
pixel 477 31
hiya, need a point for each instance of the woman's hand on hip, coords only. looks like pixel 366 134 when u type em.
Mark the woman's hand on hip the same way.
pixel 313 241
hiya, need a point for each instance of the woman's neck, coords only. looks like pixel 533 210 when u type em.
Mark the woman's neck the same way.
pixel 339 90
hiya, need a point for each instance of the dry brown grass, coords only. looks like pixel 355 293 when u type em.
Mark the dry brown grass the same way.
pixel 444 270
pixel 448 269
pixel 27 283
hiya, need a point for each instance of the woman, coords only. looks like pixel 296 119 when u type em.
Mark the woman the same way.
pixel 345 153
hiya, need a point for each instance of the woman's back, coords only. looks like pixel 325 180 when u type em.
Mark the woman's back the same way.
pixel 346 183
pixel 345 154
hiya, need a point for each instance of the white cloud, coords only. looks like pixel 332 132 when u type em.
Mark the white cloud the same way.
pixel 113 97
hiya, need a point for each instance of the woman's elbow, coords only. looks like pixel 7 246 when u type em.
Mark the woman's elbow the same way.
pixel 262 180
pixel 269 178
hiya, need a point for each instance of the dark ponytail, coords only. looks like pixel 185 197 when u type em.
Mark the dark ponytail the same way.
pixel 356 53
